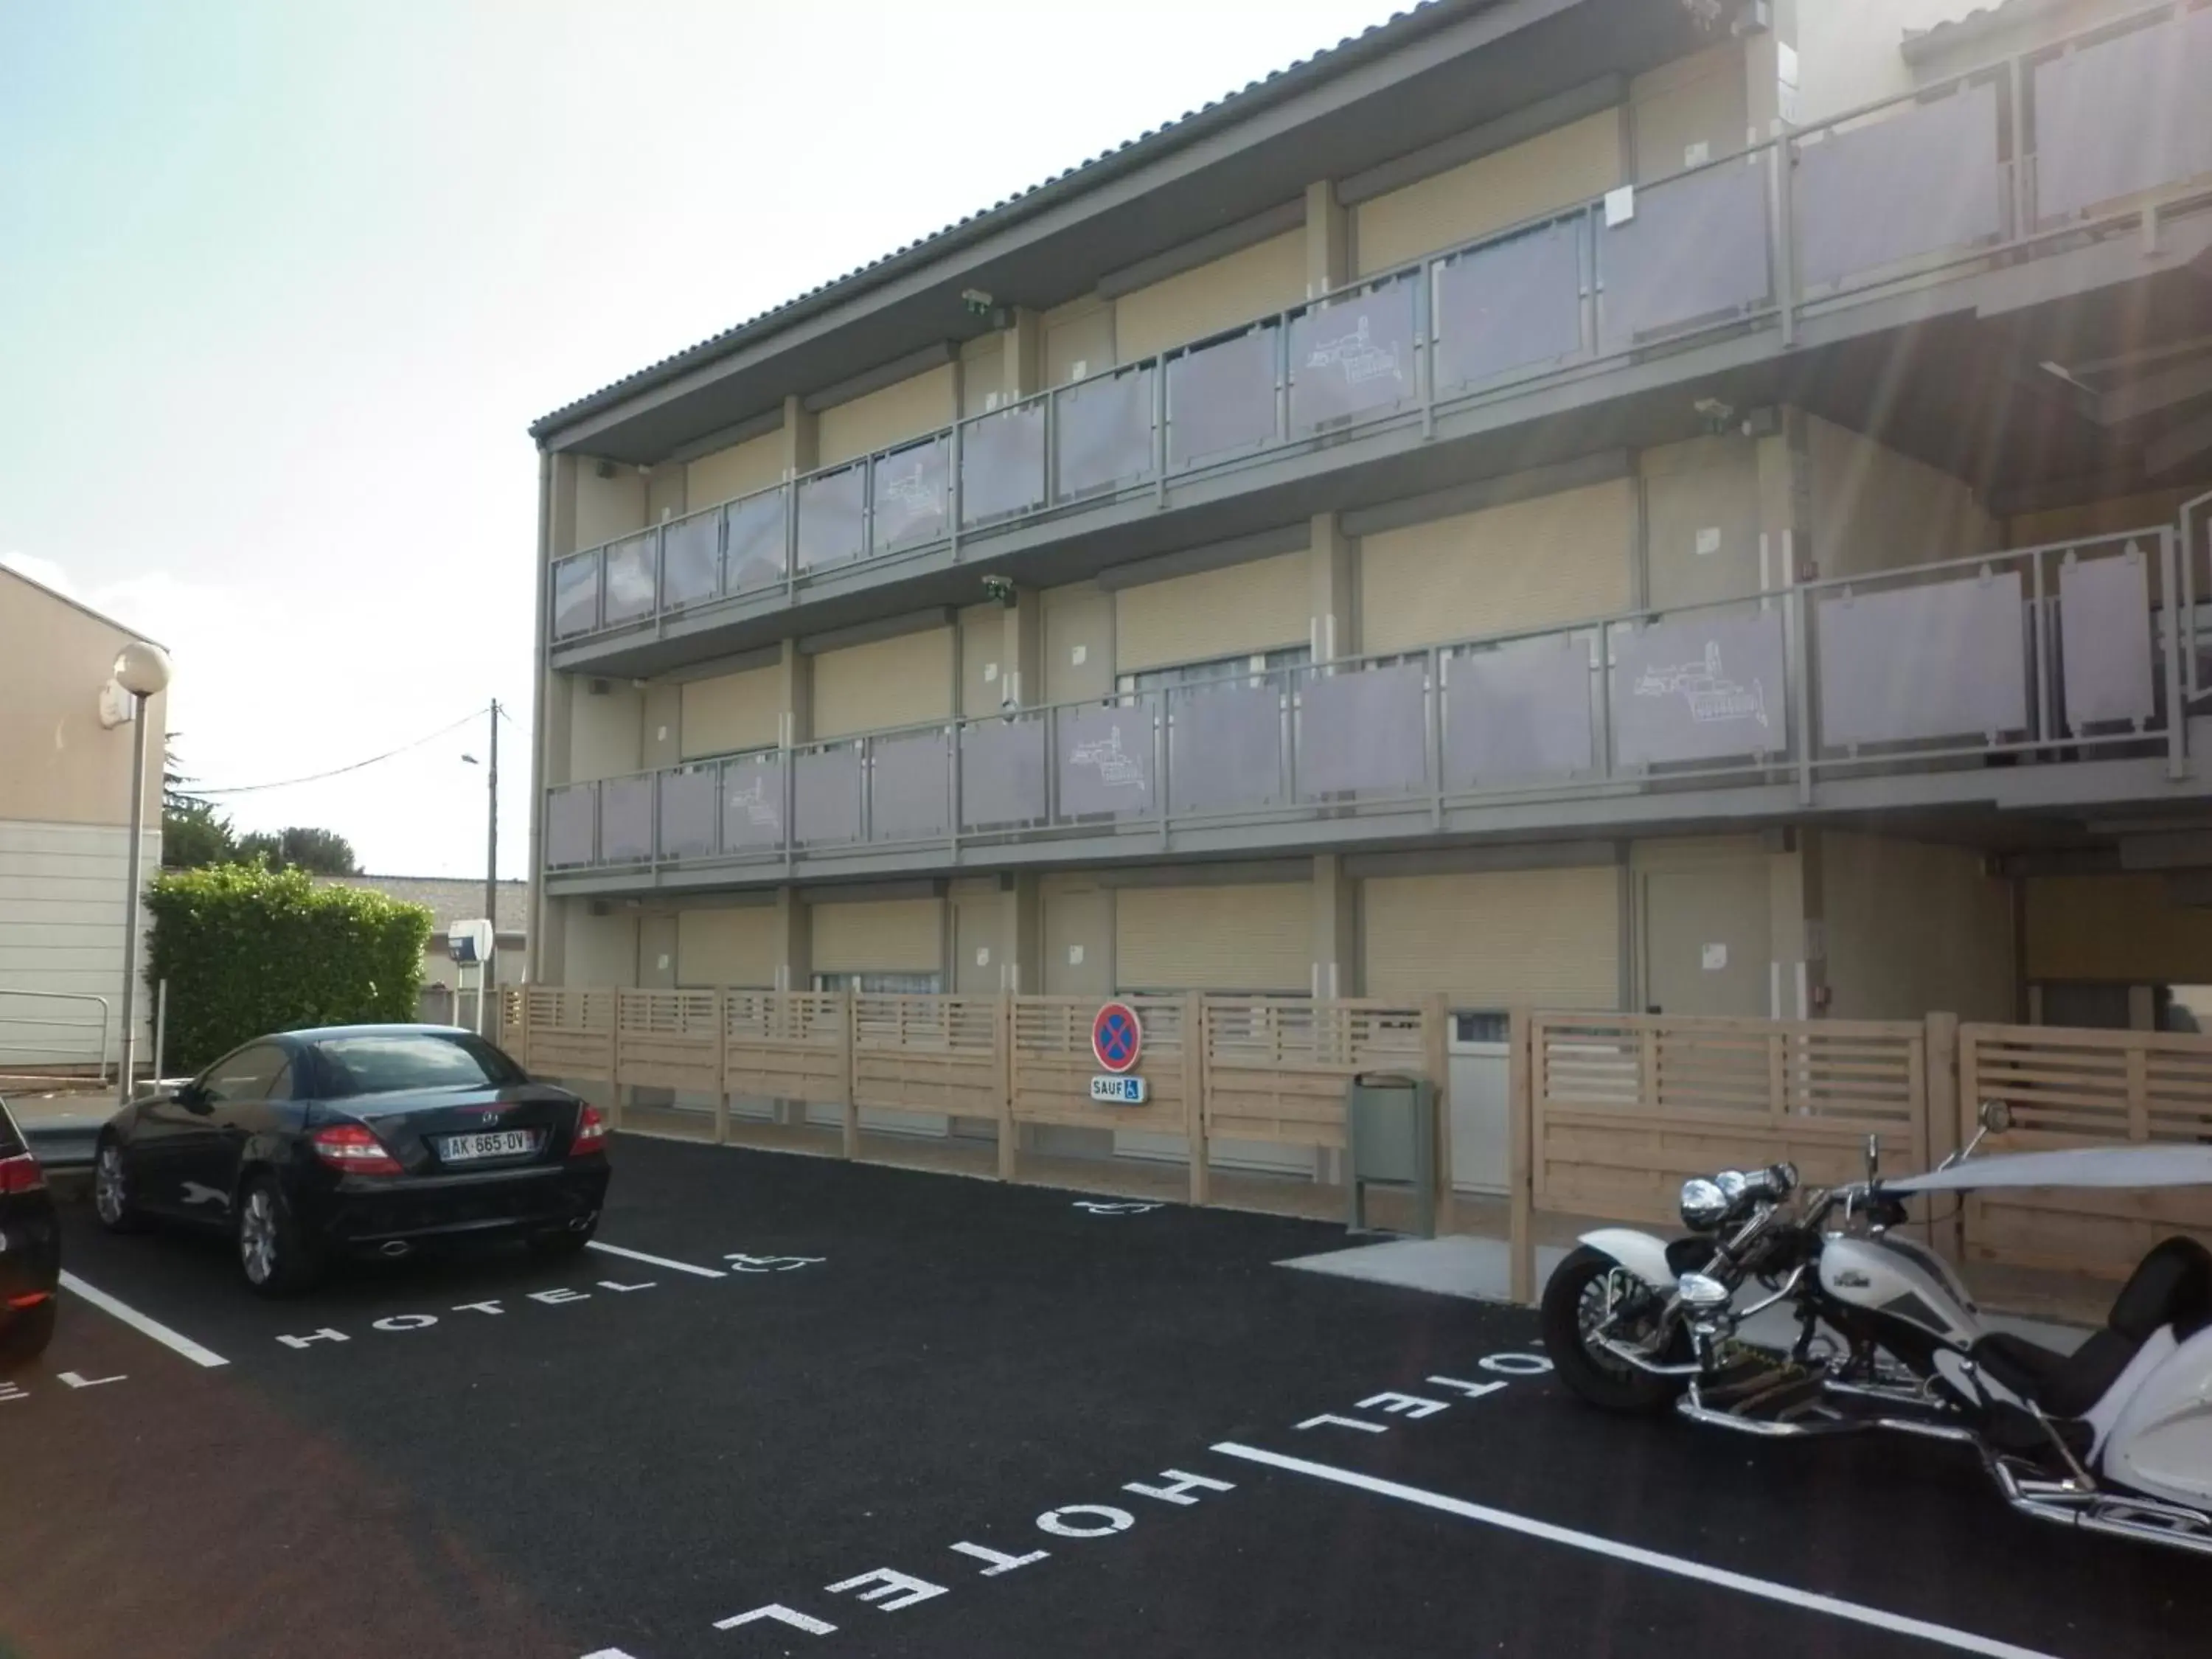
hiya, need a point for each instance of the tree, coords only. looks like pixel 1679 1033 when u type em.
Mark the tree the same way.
pixel 247 950
pixel 319 852
pixel 196 837
pixel 194 834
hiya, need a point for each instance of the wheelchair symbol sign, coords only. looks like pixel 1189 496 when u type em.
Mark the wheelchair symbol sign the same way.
pixel 1117 1037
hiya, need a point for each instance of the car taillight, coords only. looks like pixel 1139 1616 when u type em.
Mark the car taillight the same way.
pixel 20 1174
pixel 350 1147
pixel 591 1132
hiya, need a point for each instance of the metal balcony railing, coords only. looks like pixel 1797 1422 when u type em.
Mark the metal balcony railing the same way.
pixel 2061 653
pixel 2002 161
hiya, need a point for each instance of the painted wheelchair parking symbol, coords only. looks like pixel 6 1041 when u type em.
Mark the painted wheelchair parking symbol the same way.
pixel 1117 1037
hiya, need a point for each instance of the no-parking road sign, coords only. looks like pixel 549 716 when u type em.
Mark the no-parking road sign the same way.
pixel 1117 1037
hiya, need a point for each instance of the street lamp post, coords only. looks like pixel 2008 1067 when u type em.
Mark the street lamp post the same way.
pixel 491 877
pixel 141 670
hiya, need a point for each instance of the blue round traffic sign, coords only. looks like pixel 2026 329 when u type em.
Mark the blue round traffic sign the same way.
pixel 1117 1036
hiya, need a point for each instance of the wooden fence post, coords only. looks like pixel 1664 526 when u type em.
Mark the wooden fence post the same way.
pixel 1520 1115
pixel 1435 1059
pixel 721 1068
pixel 614 1058
pixel 850 1144
pixel 1009 1149
pixel 1193 1095
pixel 1939 1059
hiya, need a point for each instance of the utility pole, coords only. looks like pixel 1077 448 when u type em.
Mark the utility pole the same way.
pixel 486 1023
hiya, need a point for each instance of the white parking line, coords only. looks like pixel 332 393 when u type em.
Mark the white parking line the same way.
pixel 176 1340
pixel 1944 1635
pixel 658 1261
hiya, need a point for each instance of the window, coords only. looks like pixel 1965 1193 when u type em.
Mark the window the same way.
pixel 391 1062
pixel 1216 669
pixel 258 1071
pixel 882 985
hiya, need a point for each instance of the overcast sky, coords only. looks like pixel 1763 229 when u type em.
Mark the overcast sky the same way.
pixel 282 283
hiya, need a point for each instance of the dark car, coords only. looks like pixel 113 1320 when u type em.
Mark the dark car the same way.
pixel 30 1249
pixel 357 1140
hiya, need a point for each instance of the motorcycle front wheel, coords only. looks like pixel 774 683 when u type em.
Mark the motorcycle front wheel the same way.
pixel 1574 1305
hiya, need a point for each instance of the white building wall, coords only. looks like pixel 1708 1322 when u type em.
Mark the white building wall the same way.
pixel 62 888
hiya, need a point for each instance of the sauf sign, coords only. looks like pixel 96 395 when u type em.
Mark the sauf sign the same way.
pixel 1117 1042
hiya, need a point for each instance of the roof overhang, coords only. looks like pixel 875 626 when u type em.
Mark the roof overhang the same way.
pixel 1415 82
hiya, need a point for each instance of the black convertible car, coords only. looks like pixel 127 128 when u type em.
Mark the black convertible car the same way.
pixel 357 1139
pixel 30 1249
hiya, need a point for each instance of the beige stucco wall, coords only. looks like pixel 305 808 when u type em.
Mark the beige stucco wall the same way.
pixel 890 936
pixel 1914 927
pixel 886 683
pixel 737 948
pixel 598 950
pixel 1077 643
pixel 1250 938
pixel 732 711
pixel 2118 928
pixel 1568 164
pixel 906 408
pixel 738 471
pixel 605 730
pixel 606 507
pixel 1698 100
pixel 1553 559
pixel 1078 340
pixel 1496 938
pixel 1221 294
pixel 57 763
pixel 1257 606
pixel 1875 509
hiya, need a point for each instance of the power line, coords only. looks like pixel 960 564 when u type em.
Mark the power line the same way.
pixel 340 771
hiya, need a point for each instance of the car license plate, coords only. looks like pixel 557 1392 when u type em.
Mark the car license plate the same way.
pixel 497 1143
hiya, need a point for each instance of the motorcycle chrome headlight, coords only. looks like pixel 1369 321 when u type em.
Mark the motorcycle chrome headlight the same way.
pixel 1701 1293
pixel 1704 1204
pixel 1733 1184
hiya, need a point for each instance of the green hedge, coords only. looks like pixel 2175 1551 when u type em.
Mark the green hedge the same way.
pixel 248 950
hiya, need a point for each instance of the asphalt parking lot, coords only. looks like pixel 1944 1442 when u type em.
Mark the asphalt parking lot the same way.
pixel 807 1407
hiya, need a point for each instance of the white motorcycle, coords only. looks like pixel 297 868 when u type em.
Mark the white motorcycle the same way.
pixel 2115 1437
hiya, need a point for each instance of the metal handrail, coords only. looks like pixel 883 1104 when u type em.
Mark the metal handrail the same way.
pixel 2020 230
pixel 1800 748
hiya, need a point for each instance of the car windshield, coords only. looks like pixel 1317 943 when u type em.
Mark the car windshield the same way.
pixel 383 1062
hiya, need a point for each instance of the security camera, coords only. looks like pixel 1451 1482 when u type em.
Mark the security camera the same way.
pixel 977 302
pixel 1716 414
pixel 999 590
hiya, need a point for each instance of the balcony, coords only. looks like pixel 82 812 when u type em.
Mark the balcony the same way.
pixel 2007 163
pixel 2028 678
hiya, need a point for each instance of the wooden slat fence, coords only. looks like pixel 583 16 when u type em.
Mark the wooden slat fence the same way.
pixel 785 1045
pixel 668 1040
pixel 2083 1088
pixel 571 1033
pixel 1052 1066
pixel 929 1053
pixel 1276 1067
pixel 1626 1107
pixel 513 1005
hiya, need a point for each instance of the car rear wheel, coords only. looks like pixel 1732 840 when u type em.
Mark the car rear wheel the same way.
pixel 26 1336
pixel 112 1200
pixel 274 1255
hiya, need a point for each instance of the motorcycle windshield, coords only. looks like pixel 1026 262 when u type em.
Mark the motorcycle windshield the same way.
pixel 2091 1166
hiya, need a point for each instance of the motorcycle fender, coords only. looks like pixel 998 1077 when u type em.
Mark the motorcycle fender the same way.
pixel 1640 1253
pixel 2162 1443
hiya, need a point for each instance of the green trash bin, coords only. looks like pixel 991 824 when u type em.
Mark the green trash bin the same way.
pixel 1390 1121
